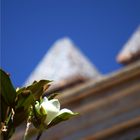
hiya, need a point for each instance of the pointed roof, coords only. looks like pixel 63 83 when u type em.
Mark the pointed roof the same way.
pixel 131 50
pixel 63 60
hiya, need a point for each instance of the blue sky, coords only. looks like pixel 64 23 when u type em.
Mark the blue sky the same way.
pixel 98 27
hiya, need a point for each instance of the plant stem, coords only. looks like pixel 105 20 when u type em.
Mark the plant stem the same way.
pixel 28 124
pixel 27 129
pixel 39 135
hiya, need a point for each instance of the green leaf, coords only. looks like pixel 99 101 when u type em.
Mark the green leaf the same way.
pixel 10 131
pixel 38 119
pixel 52 96
pixel 61 118
pixel 20 116
pixel 3 110
pixel 25 100
pixel 27 97
pixel 20 90
pixel 7 90
pixel 39 88
pixel 22 109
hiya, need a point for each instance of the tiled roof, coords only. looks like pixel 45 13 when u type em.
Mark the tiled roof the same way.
pixel 131 50
pixel 63 60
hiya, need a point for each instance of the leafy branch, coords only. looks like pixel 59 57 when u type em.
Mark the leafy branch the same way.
pixel 27 104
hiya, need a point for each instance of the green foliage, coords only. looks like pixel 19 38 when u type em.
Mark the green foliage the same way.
pixel 22 108
pixel 3 109
pixel 19 105
pixel 61 118
pixel 26 97
pixel 10 129
pixel 39 88
pixel 38 119
pixel 7 94
pixel 7 90
pixel 19 101
pixel 52 96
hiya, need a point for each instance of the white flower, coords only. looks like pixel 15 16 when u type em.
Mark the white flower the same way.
pixel 51 108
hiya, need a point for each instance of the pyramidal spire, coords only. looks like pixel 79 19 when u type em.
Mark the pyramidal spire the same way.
pixel 131 50
pixel 63 60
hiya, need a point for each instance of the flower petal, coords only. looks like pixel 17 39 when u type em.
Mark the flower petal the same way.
pixel 65 110
pixel 56 103
pixel 45 99
pixel 51 109
pixel 63 115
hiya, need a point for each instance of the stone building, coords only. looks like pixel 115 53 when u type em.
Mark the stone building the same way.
pixel 108 106
pixel 131 50
pixel 62 61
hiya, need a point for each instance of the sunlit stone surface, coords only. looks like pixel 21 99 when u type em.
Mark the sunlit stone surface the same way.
pixel 131 49
pixel 63 60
